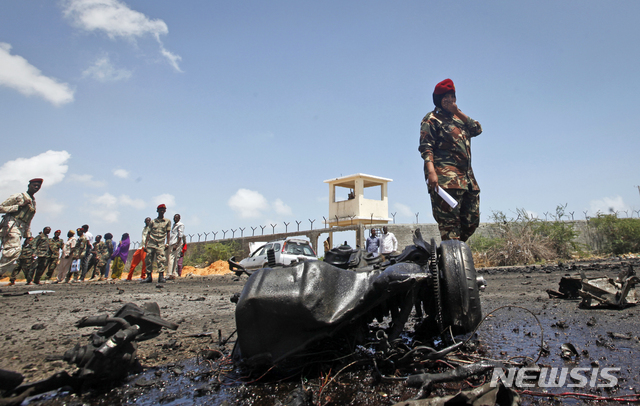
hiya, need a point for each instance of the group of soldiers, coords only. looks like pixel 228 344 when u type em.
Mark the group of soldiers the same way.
pixel 79 257
pixel 41 254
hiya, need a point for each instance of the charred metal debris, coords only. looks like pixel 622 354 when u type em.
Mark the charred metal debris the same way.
pixel 354 309
pixel 601 291
pixel 107 358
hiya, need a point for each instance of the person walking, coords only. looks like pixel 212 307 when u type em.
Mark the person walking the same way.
pixel 176 240
pixel 120 256
pixel 19 210
pixel 67 257
pixel 111 247
pixel 55 245
pixel 140 254
pixel 78 253
pixel 24 262
pixel 445 147
pixel 42 252
pixel 155 246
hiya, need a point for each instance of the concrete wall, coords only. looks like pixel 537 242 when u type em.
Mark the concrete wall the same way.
pixel 403 233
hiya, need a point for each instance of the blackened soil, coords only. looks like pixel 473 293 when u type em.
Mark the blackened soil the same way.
pixel 176 371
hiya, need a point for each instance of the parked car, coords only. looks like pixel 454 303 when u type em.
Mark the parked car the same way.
pixel 286 251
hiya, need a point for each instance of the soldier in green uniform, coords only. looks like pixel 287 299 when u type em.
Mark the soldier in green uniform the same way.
pixel 78 252
pixel 42 253
pixel 55 245
pixel 156 244
pixel 24 262
pixel 445 146
pixel 16 223
pixel 103 255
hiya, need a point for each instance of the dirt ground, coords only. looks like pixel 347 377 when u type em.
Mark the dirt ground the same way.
pixel 37 325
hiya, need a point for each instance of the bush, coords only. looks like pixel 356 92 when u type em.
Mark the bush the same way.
pixel 206 254
pixel 616 235
pixel 560 233
pixel 518 242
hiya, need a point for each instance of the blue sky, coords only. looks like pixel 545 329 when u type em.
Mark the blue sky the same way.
pixel 234 113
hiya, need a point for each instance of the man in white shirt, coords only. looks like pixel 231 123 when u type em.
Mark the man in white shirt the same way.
pixel 176 240
pixel 388 243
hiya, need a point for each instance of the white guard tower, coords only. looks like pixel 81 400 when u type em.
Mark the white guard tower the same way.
pixel 348 206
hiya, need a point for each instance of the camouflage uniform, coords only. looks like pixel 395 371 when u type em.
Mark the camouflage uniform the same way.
pixel 446 141
pixel 24 263
pixel 55 245
pixel 155 244
pixel 78 252
pixel 42 252
pixel 102 253
pixel 15 226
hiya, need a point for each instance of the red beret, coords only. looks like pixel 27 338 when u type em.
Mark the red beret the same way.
pixel 162 206
pixel 36 180
pixel 445 86
pixel 57 231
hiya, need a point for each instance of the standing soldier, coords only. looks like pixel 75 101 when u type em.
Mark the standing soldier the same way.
pixel 55 245
pixel 16 224
pixel 445 147
pixel 43 254
pixel 95 259
pixel 103 254
pixel 155 245
pixel 24 262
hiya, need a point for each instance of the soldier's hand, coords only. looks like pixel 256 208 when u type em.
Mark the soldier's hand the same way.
pixel 433 181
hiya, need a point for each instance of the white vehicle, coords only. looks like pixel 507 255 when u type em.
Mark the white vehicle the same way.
pixel 286 252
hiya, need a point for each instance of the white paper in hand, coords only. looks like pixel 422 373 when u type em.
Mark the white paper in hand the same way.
pixel 446 197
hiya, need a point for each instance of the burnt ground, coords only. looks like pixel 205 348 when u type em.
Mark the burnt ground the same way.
pixel 39 325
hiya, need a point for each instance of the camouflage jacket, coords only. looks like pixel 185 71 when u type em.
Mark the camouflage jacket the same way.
pixel 55 245
pixel 80 249
pixel 27 252
pixel 24 214
pixel 446 141
pixel 158 230
pixel 102 252
pixel 41 245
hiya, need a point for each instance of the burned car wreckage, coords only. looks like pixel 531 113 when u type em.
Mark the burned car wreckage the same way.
pixel 284 310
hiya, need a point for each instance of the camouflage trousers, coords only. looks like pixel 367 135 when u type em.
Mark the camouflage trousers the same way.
pixel 40 265
pixel 461 222
pixel 53 264
pixel 25 265
pixel 11 235
pixel 157 255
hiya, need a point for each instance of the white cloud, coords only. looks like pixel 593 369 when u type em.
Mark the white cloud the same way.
pixel 50 206
pixel 248 203
pixel 117 20
pixel 166 199
pixel 404 210
pixel 121 173
pixel 87 180
pixel 106 208
pixel 608 205
pixel 282 208
pixel 135 203
pixel 51 166
pixel 103 70
pixel 17 73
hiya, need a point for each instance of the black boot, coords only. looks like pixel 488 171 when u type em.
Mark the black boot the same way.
pixel 149 279
pixel 161 278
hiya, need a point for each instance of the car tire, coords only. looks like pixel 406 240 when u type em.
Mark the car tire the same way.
pixel 459 288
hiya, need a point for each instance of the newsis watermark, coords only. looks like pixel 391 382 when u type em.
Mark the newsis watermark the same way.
pixel 555 377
